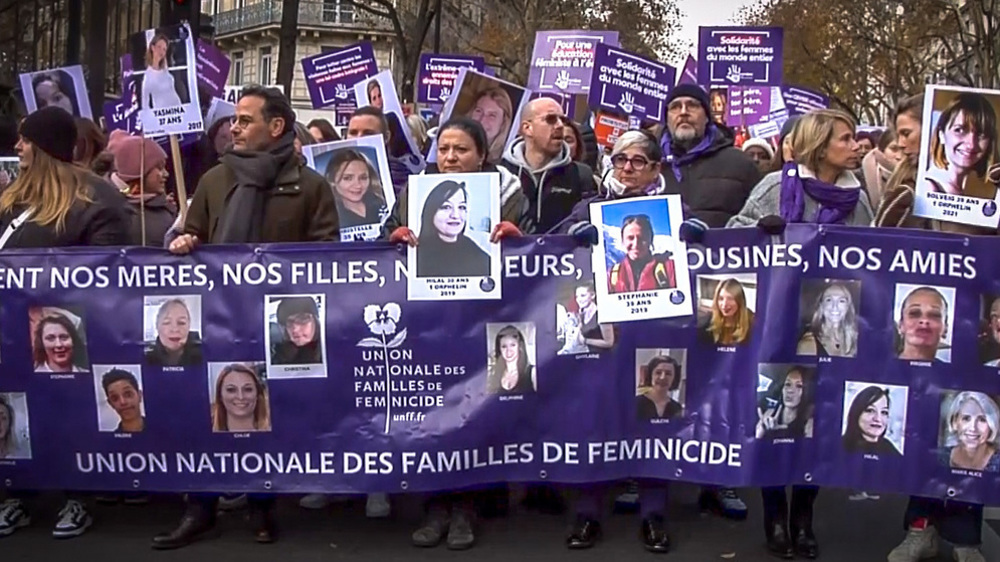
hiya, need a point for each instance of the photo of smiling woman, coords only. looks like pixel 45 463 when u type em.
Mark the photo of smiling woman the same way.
pixel 55 87
pixel 172 330
pixel 660 383
pixel 15 437
pixel 444 247
pixel 511 359
pixel 577 328
pixel 923 315
pixel 357 189
pixel 239 397
pixel 726 305
pixel 874 419
pixel 989 330
pixel 785 410
pixel 120 407
pixel 830 316
pixel 963 147
pixel 970 431
pixel 58 341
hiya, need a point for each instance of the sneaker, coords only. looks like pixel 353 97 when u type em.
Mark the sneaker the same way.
pixel 724 502
pixel 968 554
pixel 921 543
pixel 232 503
pixel 377 506
pixel 73 521
pixel 314 501
pixel 13 516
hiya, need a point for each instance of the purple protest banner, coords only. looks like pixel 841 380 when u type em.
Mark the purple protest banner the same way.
pixel 437 74
pixel 748 105
pixel 490 71
pixel 690 73
pixel 562 61
pixel 213 68
pixel 800 101
pixel 330 77
pixel 630 85
pixel 740 56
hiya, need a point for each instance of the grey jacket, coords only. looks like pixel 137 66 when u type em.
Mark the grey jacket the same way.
pixel 765 200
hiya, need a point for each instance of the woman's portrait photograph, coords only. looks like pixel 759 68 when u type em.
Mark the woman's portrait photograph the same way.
pixel 379 91
pixel 785 403
pixel 294 336
pixel 452 216
pixel 727 303
pixel 171 330
pixel 60 87
pixel 10 168
pixel 970 431
pixel 239 398
pixel 660 383
pixel 58 340
pixel 719 101
pixel 494 103
pixel 924 316
pixel 960 155
pixel 989 330
pixel 511 350
pixel 15 431
pixel 828 313
pixel 577 328
pixel 120 407
pixel 358 173
pixel 164 75
pixel 874 419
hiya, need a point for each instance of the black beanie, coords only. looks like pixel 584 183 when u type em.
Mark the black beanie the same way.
pixel 691 91
pixel 52 130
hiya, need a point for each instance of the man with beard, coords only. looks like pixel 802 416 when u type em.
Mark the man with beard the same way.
pixel 122 392
pixel 299 320
pixel 713 177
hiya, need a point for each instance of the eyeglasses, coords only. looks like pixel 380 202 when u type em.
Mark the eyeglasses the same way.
pixel 242 121
pixel 678 106
pixel 638 162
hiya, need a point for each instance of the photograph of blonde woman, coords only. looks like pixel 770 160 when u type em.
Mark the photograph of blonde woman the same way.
pixel 830 316
pixel 239 397
pixel 58 340
pixel 970 432
pixel 726 307
pixel 172 330
pixel 491 102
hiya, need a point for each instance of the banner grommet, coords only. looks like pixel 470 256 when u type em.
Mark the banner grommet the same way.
pixel 808 477
pixel 135 484
pixel 542 474
pixel 403 485
pixel 267 484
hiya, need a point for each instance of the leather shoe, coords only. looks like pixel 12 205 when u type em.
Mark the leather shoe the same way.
pixel 654 534
pixel 778 542
pixel 196 524
pixel 805 544
pixel 265 529
pixel 584 534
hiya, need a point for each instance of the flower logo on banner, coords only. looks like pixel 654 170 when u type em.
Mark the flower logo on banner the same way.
pixel 383 321
pixel 562 80
pixel 445 92
pixel 341 92
pixel 627 102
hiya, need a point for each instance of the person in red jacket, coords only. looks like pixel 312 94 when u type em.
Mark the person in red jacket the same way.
pixel 641 270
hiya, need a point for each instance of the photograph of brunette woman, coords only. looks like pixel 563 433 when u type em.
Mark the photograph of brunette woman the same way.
pixel 785 408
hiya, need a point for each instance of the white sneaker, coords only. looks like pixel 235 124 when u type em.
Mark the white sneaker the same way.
pixel 314 501
pixel 967 554
pixel 919 544
pixel 73 521
pixel 13 516
pixel 377 506
pixel 862 496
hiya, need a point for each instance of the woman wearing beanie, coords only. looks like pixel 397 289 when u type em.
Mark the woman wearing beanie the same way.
pixel 54 203
pixel 141 175
pixel 761 152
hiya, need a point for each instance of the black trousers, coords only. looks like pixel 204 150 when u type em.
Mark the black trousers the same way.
pixel 776 506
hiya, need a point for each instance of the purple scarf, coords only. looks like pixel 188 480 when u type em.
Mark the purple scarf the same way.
pixel 676 161
pixel 835 203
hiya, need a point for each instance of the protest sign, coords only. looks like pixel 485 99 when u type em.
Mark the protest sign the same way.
pixel 562 61
pixel 689 75
pixel 231 94
pixel 61 87
pixel 608 127
pixel 379 91
pixel 748 105
pixel 740 56
pixel 167 84
pixel 437 74
pixel 330 76
pixel 10 168
pixel 800 101
pixel 213 68
pixel 630 85
pixel 567 102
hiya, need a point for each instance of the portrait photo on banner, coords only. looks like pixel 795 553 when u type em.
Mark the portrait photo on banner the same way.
pixel 577 330
pixel 989 330
pixel 60 87
pixel 512 351
pixel 15 427
pixel 969 432
pixel 924 317
pixel 380 91
pixel 874 421
pixel 727 304
pixel 828 317
pixel 638 276
pixel 718 99
pixel 165 76
pixel 294 338
pixel 10 168
pixel 171 330
pixel 452 216
pixel 238 397
pixel 494 103
pixel 959 169
pixel 660 384
pixel 120 404
pixel 358 173
pixel 58 339
pixel 785 401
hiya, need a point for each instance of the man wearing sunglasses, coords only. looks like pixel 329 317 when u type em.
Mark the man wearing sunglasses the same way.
pixel 541 159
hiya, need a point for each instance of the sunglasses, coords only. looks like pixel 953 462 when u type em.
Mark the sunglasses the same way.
pixel 554 119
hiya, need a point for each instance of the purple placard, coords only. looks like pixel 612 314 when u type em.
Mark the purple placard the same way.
pixel 740 56
pixel 437 75
pixel 690 73
pixel 331 76
pixel 630 85
pixel 213 68
pixel 562 61
pixel 800 101
pixel 748 106
pixel 490 71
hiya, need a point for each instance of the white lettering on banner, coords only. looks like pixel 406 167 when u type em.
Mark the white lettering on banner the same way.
pixel 746 257
pixel 675 449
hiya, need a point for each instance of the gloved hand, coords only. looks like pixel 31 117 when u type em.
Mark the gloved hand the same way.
pixel 504 229
pixel 403 235
pixel 693 231
pixel 585 234
pixel 772 224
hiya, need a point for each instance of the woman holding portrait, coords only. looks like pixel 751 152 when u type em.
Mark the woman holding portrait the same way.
pixel 158 89
pixel 511 371
pixel 973 433
pixel 662 376
pixel 833 330
pixel 964 143
pixel 58 347
pixel 445 249
pixel 176 344
pixel 732 320
pixel 922 324
pixel 357 188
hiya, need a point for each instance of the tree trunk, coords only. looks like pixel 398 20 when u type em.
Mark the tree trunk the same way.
pixel 288 38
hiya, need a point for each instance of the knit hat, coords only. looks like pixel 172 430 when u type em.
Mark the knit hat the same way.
pixel 786 129
pixel 691 91
pixel 52 130
pixel 130 162
pixel 290 306
pixel 759 143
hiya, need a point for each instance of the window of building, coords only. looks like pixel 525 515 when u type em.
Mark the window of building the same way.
pixel 237 68
pixel 266 77
pixel 338 11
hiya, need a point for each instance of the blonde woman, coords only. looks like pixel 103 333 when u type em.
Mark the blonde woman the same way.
pixel 731 320
pixel 833 330
pixel 972 439
pixel 495 112
pixel 158 90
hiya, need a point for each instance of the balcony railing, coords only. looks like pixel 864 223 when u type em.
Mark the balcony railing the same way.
pixel 314 13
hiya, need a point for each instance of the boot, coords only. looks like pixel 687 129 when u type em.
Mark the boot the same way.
pixel 778 542
pixel 803 539
pixel 197 523
pixel 262 521
pixel 775 504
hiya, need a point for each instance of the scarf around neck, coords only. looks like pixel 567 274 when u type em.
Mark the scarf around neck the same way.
pixel 675 160
pixel 835 202
pixel 255 174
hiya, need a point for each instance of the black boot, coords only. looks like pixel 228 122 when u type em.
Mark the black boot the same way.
pixel 197 523
pixel 778 542
pixel 262 521
pixel 584 534
pixel 803 538
pixel 654 535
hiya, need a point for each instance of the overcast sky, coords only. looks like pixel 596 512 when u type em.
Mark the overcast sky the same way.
pixel 708 12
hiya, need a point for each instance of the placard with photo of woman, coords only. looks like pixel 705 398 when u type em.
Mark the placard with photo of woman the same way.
pixel 874 422
pixel 511 349
pixel 238 397
pixel 358 172
pixel 379 91
pixel 294 335
pixel 577 329
pixel 10 168
pixel 59 87
pixel 171 330
pixel 969 433
pixel 452 216
pixel 924 317
pixel 727 306
pixel 785 401
pixel 660 384
pixel 164 74
pixel 828 314
pixel 58 340
pixel 15 427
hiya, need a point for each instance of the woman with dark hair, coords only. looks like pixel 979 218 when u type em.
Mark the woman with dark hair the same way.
pixel 663 376
pixel 511 372
pixel 158 89
pixel 374 90
pixel 573 138
pixel 868 423
pixel 58 347
pixel 357 188
pixel 445 248
pixel 55 88
pixel 302 138
pixel 964 143
pixel 322 130
pixel 90 142
pixel 580 331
